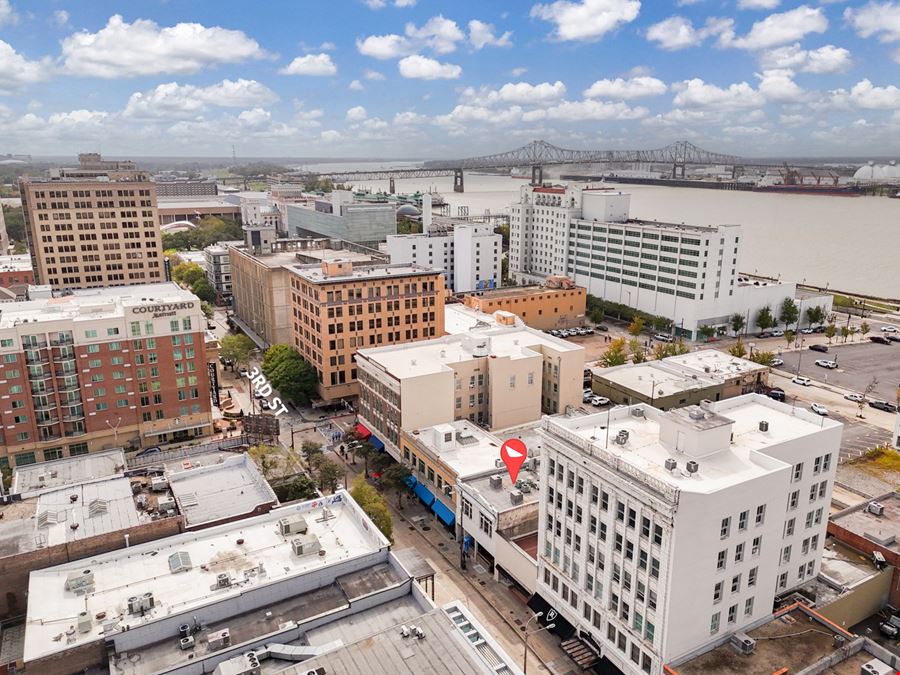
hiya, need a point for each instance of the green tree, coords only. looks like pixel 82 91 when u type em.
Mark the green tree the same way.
pixel 236 348
pixel 187 273
pixel 663 350
pixel 815 315
pixel 614 354
pixel 394 478
pixel 302 487
pixel 788 313
pixel 203 290
pixel 737 322
pixel 637 351
pixel 373 505
pixel 311 451
pixel 738 349
pixel 327 473
pixel 207 310
pixel 637 326
pixel 789 337
pixel 293 377
pixel 706 331
pixel 864 328
pixel 854 330
pixel 763 358
pixel 267 458
pixel 845 333
pixel 830 332
pixel 15 223
pixel 764 318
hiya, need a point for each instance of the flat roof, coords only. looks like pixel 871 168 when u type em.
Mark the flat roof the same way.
pixel 651 380
pixel 472 450
pixel 180 203
pixel 714 363
pixel 432 356
pixel 519 291
pixel 744 458
pixel 842 568
pixel 316 275
pixel 330 254
pixel 44 476
pixel 883 530
pixel 216 490
pixel 460 319
pixel 662 225
pixel 15 263
pixel 343 532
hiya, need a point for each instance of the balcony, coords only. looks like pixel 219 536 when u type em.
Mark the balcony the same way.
pixel 38 377
pixel 62 342
pixel 48 438
pixel 44 391
pixel 63 357
pixel 44 406
pixel 74 386
pixel 74 416
pixel 35 344
pixel 75 433
pixel 65 373
pixel 47 421
pixel 31 361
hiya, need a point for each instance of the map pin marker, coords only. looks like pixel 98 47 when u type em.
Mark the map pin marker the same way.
pixel 513 453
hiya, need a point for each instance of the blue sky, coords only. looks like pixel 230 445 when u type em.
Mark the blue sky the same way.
pixel 420 78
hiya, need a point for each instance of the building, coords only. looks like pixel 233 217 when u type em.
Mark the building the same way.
pixel 94 226
pixel 468 253
pixel 194 208
pixel 461 319
pixel 557 304
pixel 337 308
pixel 686 273
pixel 185 187
pixel 16 274
pixel 496 377
pixel 664 533
pixel 261 211
pixel 4 235
pixel 218 269
pixel 102 368
pixel 678 381
pixel 341 217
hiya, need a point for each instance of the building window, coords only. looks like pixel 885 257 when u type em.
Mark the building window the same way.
pixel 485 525
pixel 725 530
pixel 466 507
pixel 720 563
pixel 742 520
pixel 714 623
pixel 748 607
pixel 717 592
pixel 751 577
pixel 732 613
pixel 760 514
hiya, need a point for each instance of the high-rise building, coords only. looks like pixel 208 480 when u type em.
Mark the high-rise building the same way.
pixel 93 226
pixel 661 533
pixel 102 368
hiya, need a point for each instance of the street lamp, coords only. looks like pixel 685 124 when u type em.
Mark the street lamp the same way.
pixel 115 429
pixel 529 634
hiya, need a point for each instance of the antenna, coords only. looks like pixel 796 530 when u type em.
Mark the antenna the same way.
pixel 233 154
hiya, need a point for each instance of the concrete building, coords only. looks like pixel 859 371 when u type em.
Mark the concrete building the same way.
pixel 16 275
pixel 185 187
pixel 4 235
pixel 664 533
pixel 461 319
pixel 93 226
pixel 337 308
pixel 218 269
pixel 500 378
pixel 558 303
pixel 194 208
pixel 102 368
pixel 686 273
pixel 342 218
pixel 468 253
pixel 677 381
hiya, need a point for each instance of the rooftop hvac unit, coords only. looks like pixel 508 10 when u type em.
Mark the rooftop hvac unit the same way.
pixel 84 622
pixel 496 481
pixel 763 426
pixel 671 464
pixel 219 640
pixel 637 412
pixel 134 605
pixel 692 467
pixel 147 602
pixel 80 581
pixel 523 486
pixel 876 508
pixel 223 580
pixel 875 667
pixel 159 484
pixel 165 505
pixel 295 524
pixel 186 643
pixel 306 545
pixel 516 497
pixel 622 437
pixel 498 463
pixel 696 414
pixel 743 643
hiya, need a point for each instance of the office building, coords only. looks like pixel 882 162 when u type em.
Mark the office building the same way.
pixel 556 304
pixel 102 368
pixel 217 263
pixel 664 533
pixel 340 217
pixel 16 275
pixel 193 208
pixel 185 187
pixel 496 377
pixel 93 226
pixel 468 253
pixel 338 308
pixel 686 273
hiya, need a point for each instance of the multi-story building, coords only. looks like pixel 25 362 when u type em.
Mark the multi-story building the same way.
pixel 93 226
pixel 686 273
pixel 662 533
pixel 192 208
pixel 340 217
pixel 16 274
pixel 497 377
pixel 337 308
pixel 468 253
pixel 218 269
pixel 558 303
pixel 4 235
pixel 102 368
pixel 185 187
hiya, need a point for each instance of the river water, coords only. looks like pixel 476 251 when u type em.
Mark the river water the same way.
pixel 849 243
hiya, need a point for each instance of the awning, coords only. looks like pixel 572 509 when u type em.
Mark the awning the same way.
pixel 410 480
pixel 376 443
pixel 173 431
pixel 362 431
pixel 424 494
pixel 442 512
pixel 561 626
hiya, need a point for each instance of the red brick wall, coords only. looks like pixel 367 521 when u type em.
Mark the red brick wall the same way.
pixel 867 546
pixel 73 660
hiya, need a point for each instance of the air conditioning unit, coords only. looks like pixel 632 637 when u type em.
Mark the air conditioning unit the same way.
pixel 876 508
pixel 295 524
pixel 496 481
pixel 637 412
pixel 875 667
pixel 516 497
pixel 147 601
pixel 165 505
pixel 305 545
pixel 743 643
pixel 80 582
pixel 186 643
pixel 134 605
pixel 671 464
pixel 219 640
pixel 692 467
pixel 159 484
pixel 223 580
pixel 622 437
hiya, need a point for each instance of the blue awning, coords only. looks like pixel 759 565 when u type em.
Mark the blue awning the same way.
pixel 424 494
pixel 443 512
pixel 376 443
pixel 410 480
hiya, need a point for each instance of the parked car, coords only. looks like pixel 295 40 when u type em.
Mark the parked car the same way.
pixel 598 401
pixel 856 398
pixel 819 348
pixel 601 327
pixel 148 451
pixel 777 395
pixel 893 337
pixel 662 337
pixel 819 409
pixel 807 331
pixel 879 339
pixel 777 362
pixel 888 329
pixel 891 627
pixel 765 334
pixel 819 329
pixel 799 379
pixel 825 363
pixel 883 405
pixel 242 371
pixel 777 333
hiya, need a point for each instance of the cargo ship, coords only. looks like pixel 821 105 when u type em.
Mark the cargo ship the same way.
pixel 833 190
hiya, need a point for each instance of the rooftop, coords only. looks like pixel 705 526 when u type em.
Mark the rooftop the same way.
pixel 715 364
pixel 313 273
pixel 184 572
pixel 842 569
pixel 181 203
pixel 662 225
pixel 460 319
pixel 519 291
pixel 432 356
pixel 883 530
pixel 15 263
pixel 35 478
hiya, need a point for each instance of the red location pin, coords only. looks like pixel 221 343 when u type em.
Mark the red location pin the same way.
pixel 513 453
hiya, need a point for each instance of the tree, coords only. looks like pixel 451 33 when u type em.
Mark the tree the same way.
pixel 763 358
pixel 737 322
pixel 367 451
pixel 788 313
pixel 830 331
pixel 236 348
pixel 637 351
pixel 373 505
pixel 864 328
pixel 267 459
pixel 207 310
pixel 873 383
pixel 302 487
pixel 706 331
pixel 764 318
pixel 327 473
pixel 789 337
pixel 815 315
pixel 614 354
pixel 663 350
pixel 203 290
pixel 293 377
pixel 637 326
pixel 845 333
pixel 311 450
pixel 15 223
pixel 853 331
pixel 738 349
pixel 394 478
pixel 188 273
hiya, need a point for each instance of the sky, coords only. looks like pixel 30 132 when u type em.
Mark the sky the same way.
pixel 429 79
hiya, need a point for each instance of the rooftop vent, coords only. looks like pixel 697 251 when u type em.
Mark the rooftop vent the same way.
pixel 180 562
pixel 496 481
pixel 637 412
pixel 671 464
pixel 223 580
pixel 696 414
pixel 763 426
pixel 692 467
pixel 622 437
pixel 875 508
pixel 516 496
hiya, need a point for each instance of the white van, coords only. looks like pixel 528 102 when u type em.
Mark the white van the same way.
pixel 663 338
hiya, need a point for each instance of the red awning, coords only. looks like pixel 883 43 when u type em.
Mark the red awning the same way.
pixel 362 431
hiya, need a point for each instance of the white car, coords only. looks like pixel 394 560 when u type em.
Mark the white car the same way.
pixel 819 409
pixel 888 329
pixel 825 363
pixel 599 401
pixel 807 331
pixel 777 362
pixel 856 398
pixel 799 379
pixel 777 333
pixel 587 398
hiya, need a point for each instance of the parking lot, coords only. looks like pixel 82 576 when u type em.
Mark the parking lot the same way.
pixel 857 362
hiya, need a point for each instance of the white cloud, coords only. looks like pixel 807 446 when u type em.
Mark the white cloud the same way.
pixel 374 4
pixel 357 114
pixel 779 29
pixel 758 4
pixel 696 93
pixel 518 72
pixel 255 118
pixel 438 34
pixel 7 15
pixel 409 118
pixel 778 85
pixel 462 115
pixel 482 35
pixel 576 111
pixel 824 60
pixel 122 49
pixel 866 95
pixel 619 88
pixel 876 18
pixel 587 20
pixel 676 32
pixel 404 3
pixel 423 68
pixel 355 85
pixel 317 65
pixel 175 100
pixel 516 92
pixel 793 120
pixel 60 17
pixel 373 75
pixel 16 70
pixel 383 47
pixel 330 136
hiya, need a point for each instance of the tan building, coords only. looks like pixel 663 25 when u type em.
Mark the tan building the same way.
pixel 497 377
pixel 559 304
pixel 93 226
pixel 338 308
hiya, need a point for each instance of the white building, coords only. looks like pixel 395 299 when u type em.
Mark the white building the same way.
pixel 218 268
pixel 260 211
pixel 469 254
pixel 662 533
pixel 686 273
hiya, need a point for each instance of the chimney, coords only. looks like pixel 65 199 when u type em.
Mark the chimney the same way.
pixel 426 213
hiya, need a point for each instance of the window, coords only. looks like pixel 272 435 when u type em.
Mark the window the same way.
pixel 798 472
pixel 645 526
pixel 649 630
pixel 748 607
pixel 736 583
pixel 725 530
pixel 714 623
pixel 782 581
pixel 789 527
pixel 823 489
pixel 793 499
pixel 760 514
pixel 751 576
pixel 467 508
pixel 720 564
pixel 732 614
pixel 485 525
pixel 717 592
pixel 654 568
pixel 739 552
pixel 657 534
pixel 826 462
pixel 817 466
pixel 813 491
pixel 742 520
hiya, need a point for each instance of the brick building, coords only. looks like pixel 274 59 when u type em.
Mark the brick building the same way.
pixel 16 274
pixel 559 304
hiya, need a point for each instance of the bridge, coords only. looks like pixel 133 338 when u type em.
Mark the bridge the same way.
pixel 539 154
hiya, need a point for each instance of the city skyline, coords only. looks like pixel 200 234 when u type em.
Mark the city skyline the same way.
pixel 395 78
